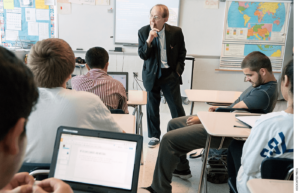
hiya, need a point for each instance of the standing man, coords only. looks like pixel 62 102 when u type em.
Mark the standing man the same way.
pixel 162 48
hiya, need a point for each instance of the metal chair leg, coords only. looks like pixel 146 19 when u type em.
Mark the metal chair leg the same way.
pixel 205 155
pixel 192 108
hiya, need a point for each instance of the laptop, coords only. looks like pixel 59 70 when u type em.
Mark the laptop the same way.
pixel 121 77
pixel 97 161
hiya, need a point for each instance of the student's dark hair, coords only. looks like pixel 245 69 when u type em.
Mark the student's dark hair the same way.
pixel 288 70
pixel 257 60
pixel 164 9
pixel 18 92
pixel 96 57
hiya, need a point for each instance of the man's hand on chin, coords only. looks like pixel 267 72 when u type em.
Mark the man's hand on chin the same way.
pixel 20 183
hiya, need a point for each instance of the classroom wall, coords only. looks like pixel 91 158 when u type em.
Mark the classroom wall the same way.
pixel 205 76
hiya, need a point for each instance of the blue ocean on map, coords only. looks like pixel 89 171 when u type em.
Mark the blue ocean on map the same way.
pixel 268 50
pixel 236 18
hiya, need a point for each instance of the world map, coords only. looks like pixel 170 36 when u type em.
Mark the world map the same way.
pixel 241 13
pixel 268 50
pixel 261 19
pixel 259 31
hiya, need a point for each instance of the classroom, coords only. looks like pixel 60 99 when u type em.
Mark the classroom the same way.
pixel 143 96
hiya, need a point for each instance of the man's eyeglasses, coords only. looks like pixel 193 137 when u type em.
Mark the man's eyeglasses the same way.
pixel 155 17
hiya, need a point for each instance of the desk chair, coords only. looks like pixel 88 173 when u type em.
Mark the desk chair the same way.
pixel 39 170
pixel 277 168
pixel 116 111
pixel 272 168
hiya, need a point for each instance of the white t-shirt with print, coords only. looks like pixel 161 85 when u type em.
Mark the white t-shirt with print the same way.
pixel 271 136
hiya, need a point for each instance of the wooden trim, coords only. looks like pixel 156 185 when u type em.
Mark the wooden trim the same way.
pixel 238 70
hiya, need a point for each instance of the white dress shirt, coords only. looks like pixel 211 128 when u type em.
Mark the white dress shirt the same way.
pixel 163 49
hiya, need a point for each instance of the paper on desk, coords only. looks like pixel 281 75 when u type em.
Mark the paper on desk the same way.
pixel 33 28
pixel 12 35
pixel 40 4
pixel 43 31
pixel 8 4
pixel 13 21
pixel 42 14
pixel 64 8
pixel 249 120
pixel 30 14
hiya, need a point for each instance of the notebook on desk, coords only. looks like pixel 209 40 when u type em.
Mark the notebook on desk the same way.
pixel 97 161
pixel 248 120
pixel 121 77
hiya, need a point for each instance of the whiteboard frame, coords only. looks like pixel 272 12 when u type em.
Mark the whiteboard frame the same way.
pixel 131 43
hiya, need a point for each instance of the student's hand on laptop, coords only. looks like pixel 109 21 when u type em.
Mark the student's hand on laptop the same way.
pixel 213 108
pixel 52 185
pixel 193 120
pixel 123 131
pixel 20 183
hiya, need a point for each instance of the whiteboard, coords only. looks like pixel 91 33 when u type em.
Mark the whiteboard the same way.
pixel 88 26
pixel 131 15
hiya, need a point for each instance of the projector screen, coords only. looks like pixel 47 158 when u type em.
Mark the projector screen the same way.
pixel 131 15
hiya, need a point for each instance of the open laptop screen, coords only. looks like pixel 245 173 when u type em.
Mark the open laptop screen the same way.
pixel 121 77
pixel 96 161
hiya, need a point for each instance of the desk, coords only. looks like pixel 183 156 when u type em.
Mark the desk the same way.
pixel 125 121
pixel 137 98
pixel 212 96
pixel 266 185
pixel 221 128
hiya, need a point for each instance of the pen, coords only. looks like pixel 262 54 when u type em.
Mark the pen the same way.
pixel 240 126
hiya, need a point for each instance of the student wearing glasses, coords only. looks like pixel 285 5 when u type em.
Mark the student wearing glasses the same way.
pixel 162 48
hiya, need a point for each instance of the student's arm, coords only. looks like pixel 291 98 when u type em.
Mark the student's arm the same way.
pixel 251 159
pixel 21 182
pixel 52 185
pixel 257 99
pixel 101 117
pixel 240 104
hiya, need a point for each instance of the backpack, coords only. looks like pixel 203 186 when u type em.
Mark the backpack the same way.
pixel 217 159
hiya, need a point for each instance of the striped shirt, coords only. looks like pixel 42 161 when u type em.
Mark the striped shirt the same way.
pixel 110 91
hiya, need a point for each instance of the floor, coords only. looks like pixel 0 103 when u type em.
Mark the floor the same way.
pixel 150 155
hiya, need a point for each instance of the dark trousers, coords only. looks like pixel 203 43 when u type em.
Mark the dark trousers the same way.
pixel 175 144
pixel 169 85
pixel 234 157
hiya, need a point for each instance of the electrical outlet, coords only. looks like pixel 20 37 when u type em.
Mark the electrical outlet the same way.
pixel 135 74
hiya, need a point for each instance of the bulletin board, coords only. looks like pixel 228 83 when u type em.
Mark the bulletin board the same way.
pixel 37 22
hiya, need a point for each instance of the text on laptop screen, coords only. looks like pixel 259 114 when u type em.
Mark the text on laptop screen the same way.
pixel 120 77
pixel 97 161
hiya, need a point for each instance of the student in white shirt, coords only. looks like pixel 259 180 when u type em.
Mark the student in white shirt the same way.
pixel 271 136
pixel 17 98
pixel 52 62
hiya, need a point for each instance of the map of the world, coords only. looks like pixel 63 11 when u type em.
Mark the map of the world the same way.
pixel 261 19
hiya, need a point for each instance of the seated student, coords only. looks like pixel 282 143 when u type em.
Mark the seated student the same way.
pixel 271 136
pixel 18 95
pixel 97 81
pixel 187 133
pixel 52 62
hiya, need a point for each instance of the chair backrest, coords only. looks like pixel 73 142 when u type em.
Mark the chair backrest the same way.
pixel 116 111
pixel 225 109
pixel 276 168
